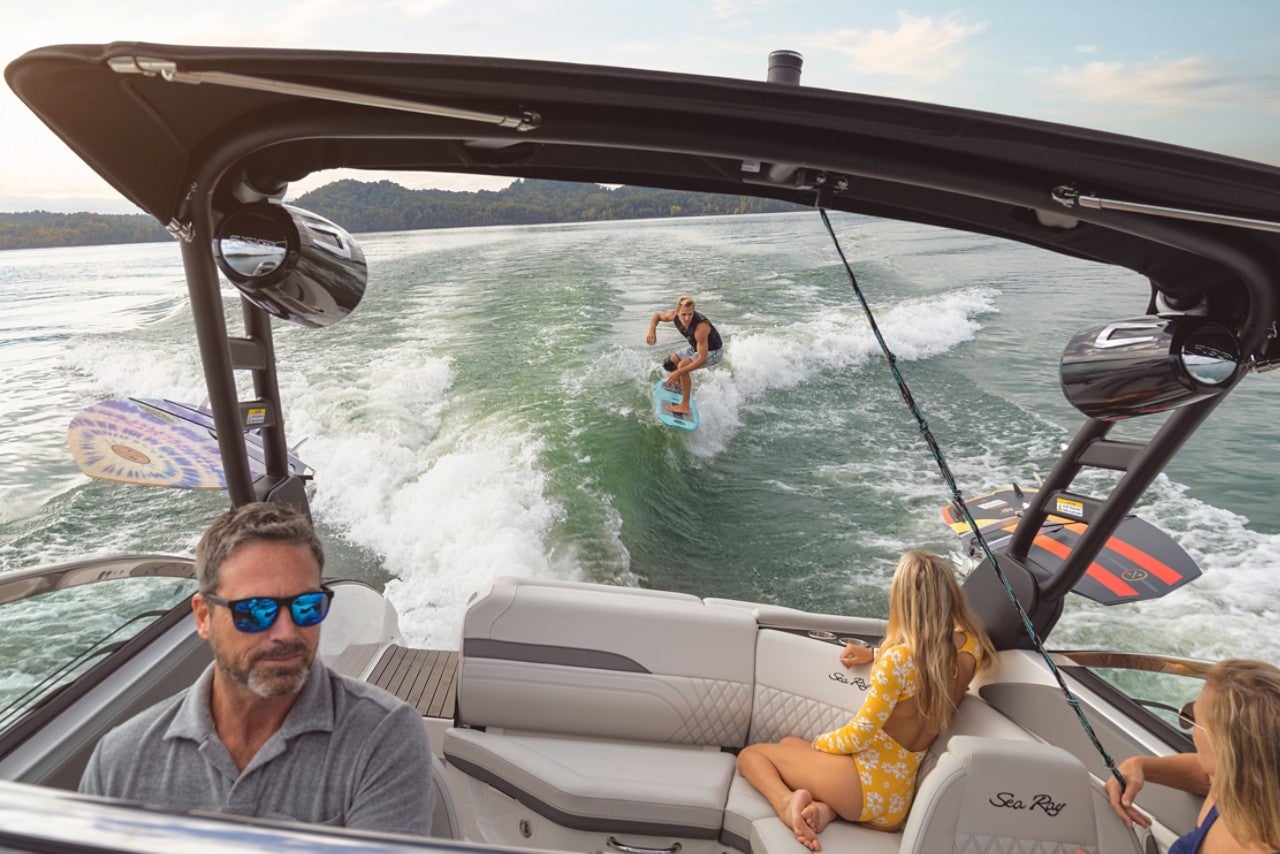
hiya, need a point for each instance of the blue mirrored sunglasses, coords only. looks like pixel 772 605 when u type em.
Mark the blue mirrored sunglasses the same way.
pixel 258 613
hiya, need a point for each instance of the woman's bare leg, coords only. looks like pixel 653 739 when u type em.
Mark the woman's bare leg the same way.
pixel 805 787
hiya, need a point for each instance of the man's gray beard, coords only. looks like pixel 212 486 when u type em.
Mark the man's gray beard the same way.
pixel 268 687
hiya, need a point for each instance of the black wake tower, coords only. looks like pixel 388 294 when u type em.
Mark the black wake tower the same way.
pixel 205 138
pixel 1043 600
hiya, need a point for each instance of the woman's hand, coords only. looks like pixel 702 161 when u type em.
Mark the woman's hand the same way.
pixel 855 654
pixel 1122 802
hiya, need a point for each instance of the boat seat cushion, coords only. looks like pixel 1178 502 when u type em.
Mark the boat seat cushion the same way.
pixel 997 794
pixel 597 785
pixel 803 690
pixel 608 662
pixel 774 837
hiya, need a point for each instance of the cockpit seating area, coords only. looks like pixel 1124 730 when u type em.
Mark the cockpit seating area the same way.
pixel 592 717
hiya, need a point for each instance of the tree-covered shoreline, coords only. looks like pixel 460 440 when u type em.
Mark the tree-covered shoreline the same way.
pixel 43 229
pixel 361 206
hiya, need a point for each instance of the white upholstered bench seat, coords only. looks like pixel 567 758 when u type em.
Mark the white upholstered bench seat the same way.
pixel 587 712
pixel 659 790
pixel 601 710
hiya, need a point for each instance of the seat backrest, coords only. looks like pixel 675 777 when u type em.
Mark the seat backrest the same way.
pixel 998 795
pixel 801 688
pixel 609 662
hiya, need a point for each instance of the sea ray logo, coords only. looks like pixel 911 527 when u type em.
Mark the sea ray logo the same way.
pixel 1134 575
pixel 845 679
pixel 1041 802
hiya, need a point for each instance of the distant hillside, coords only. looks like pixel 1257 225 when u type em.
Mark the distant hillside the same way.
pixel 359 206
pixel 386 206
pixel 38 229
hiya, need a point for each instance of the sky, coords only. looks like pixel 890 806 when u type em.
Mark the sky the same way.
pixel 1190 72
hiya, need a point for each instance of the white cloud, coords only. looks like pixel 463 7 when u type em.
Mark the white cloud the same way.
pixel 1177 83
pixel 299 24
pixel 736 12
pixel 922 47
pixel 417 8
pixel 722 10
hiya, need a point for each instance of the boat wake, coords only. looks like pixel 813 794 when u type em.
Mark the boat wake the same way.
pixel 830 342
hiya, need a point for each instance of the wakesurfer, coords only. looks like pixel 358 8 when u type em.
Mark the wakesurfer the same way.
pixel 704 350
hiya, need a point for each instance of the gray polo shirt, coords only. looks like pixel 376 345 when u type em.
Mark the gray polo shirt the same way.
pixel 348 755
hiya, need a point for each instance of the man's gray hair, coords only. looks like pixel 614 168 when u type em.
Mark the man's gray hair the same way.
pixel 259 522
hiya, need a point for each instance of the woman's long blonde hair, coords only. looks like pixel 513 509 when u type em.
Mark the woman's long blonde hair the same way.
pixel 1240 712
pixel 925 606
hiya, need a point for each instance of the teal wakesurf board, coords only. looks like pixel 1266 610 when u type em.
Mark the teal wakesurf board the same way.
pixel 662 396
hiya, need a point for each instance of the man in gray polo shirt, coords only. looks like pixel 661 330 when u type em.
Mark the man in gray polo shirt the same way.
pixel 268 730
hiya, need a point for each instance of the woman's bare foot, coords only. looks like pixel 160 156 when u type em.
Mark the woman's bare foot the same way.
pixel 818 815
pixel 799 801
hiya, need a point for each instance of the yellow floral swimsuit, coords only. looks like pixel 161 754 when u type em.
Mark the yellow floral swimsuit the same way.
pixel 887 769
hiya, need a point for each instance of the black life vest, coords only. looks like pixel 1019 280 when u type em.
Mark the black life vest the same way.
pixel 713 337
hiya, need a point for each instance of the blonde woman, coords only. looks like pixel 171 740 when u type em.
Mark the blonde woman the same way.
pixel 866 770
pixel 1236 730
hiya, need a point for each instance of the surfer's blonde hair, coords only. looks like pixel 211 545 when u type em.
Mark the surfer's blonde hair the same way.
pixel 1239 709
pixel 683 301
pixel 926 606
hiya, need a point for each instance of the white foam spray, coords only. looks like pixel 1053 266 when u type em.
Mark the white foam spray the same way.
pixel 827 341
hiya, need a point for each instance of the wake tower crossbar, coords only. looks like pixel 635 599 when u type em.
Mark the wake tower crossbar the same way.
pixel 1139 462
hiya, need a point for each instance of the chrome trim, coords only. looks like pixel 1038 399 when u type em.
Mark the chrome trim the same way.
pixel 25 583
pixel 613 843
pixel 1069 197
pixel 1104 339
pixel 169 71
pixel 1135 661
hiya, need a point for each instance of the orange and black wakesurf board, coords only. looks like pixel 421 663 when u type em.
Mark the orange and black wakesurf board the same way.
pixel 1138 562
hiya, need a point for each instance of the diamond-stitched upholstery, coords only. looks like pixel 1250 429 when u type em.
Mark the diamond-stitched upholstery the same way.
pixel 782 713
pixel 717 719
pixel 801 687
pixel 1007 845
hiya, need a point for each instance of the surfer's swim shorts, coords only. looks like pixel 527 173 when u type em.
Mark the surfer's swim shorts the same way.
pixel 713 356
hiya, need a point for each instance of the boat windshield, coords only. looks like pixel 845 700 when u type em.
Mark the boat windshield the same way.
pixel 1158 685
pixel 49 639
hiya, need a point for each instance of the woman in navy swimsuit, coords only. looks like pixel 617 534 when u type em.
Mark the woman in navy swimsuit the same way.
pixel 1235 725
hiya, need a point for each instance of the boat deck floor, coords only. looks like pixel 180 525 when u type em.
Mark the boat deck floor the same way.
pixel 426 679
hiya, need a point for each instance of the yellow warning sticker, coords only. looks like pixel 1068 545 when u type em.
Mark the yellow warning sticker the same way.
pixel 1067 507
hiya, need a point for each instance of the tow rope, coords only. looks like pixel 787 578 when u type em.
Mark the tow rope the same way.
pixel 959 506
